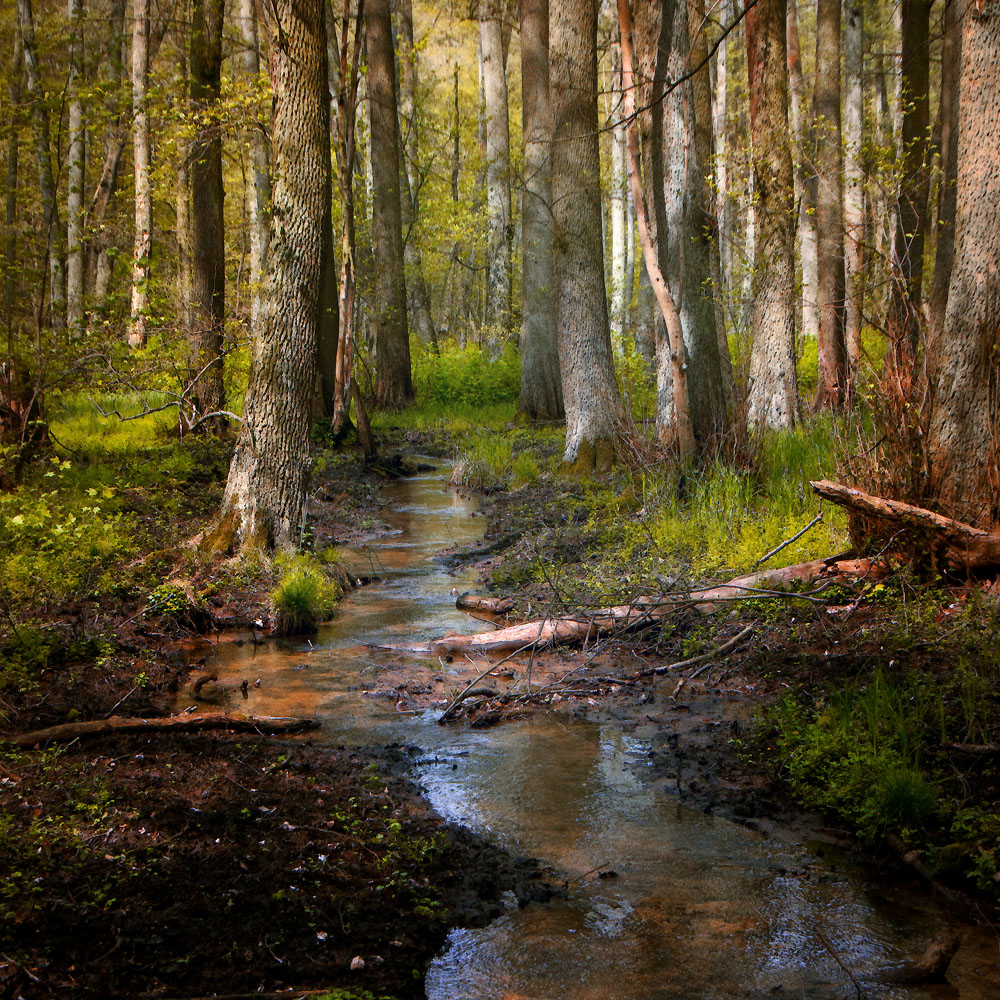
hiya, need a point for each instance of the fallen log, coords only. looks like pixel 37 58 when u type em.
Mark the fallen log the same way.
pixel 963 546
pixel 931 966
pixel 489 605
pixel 193 723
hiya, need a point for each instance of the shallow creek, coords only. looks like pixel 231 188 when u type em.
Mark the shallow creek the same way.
pixel 696 907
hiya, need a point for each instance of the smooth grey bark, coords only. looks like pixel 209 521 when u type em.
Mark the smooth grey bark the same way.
pixel 264 501
pixel 963 443
pixel 832 357
pixel 46 173
pixel 590 392
pixel 393 386
pixel 854 183
pixel 143 245
pixel 497 148
pixel 75 174
pixel 773 394
pixel 541 384
pixel 951 61
pixel 618 201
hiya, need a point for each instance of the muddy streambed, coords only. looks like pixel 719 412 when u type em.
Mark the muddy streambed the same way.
pixel 662 900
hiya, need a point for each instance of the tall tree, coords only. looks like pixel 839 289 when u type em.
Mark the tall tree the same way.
pixel 264 500
pixel 206 311
pixel 497 144
pixel 590 392
pixel 393 386
pixel 541 385
pixel 831 368
pixel 963 357
pixel 16 86
pixel 143 247
pixel 75 168
pixel 773 394
pixel 854 189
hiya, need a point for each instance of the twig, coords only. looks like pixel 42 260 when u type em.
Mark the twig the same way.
pixel 829 947
pixel 789 541
pixel 457 701
pixel 701 658
pixel 118 703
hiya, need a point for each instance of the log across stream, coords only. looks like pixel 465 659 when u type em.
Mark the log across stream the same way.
pixel 662 900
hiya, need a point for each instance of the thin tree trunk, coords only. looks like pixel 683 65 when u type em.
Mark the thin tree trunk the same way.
pixel 963 443
pixel 15 86
pixel 831 367
pixel 773 393
pixel 590 392
pixel 951 61
pixel 207 312
pixel 143 247
pixel 541 385
pixel 264 500
pixel 498 206
pixel 618 199
pixel 723 202
pixel 393 387
pixel 75 174
pixel 52 227
pixel 854 190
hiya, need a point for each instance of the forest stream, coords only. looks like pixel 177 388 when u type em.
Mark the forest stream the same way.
pixel 663 900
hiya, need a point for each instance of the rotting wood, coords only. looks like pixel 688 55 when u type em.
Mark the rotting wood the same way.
pixel 963 546
pixel 122 725
pixel 490 605
pixel 929 967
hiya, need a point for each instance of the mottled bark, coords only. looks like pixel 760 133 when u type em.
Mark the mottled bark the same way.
pixel 263 505
pixel 951 61
pixel 854 189
pixel 773 394
pixel 206 312
pixel 497 147
pixel 75 166
pixel 590 392
pixel 832 358
pixel 723 202
pixel 617 199
pixel 143 245
pixel 393 386
pixel 963 442
pixel 541 384
pixel 15 88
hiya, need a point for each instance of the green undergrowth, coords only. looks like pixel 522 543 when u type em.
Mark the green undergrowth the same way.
pixel 877 751
pixel 308 590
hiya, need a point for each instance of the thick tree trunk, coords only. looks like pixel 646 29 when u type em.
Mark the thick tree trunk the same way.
pixel 541 383
pixel 907 260
pixel 207 310
pixel 143 247
pixel 832 358
pixel 75 174
pixel 773 394
pixel 52 227
pixel 263 505
pixel 951 62
pixel 590 392
pixel 498 207
pixel 854 190
pixel 963 442
pixel 393 387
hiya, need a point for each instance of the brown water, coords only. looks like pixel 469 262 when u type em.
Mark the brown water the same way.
pixel 699 907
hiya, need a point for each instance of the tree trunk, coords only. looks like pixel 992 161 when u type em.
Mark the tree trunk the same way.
pixel 410 179
pixel 773 394
pixel 590 392
pixel 617 201
pixel 52 227
pixel 541 385
pixel 963 443
pixel 259 196
pixel 854 189
pixel 143 247
pixel 207 309
pixel 907 259
pixel 831 367
pixel 75 174
pixel 498 208
pixel 723 202
pixel 15 85
pixel 951 61
pixel 263 505
pixel 393 387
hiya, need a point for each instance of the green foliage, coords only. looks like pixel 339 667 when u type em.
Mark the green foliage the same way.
pixel 305 595
pixel 467 375
pixel 29 652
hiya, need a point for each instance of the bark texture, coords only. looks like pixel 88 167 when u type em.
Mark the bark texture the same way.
pixel 143 247
pixel 263 504
pixel 393 386
pixel 541 383
pixel 773 394
pixel 75 174
pixel 854 191
pixel 590 392
pixel 962 357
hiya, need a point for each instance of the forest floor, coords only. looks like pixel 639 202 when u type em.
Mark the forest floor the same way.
pixel 189 864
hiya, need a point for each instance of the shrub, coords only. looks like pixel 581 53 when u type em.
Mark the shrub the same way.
pixel 306 595
pixel 466 375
